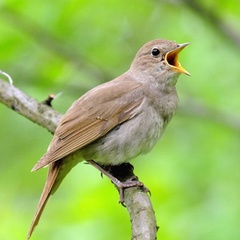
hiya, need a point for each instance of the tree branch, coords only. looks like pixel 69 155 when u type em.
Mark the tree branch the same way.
pixel 28 107
pixel 141 213
pixel 137 201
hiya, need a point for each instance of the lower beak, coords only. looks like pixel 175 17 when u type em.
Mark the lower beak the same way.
pixel 171 59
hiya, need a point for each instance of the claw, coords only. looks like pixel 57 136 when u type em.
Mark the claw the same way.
pixel 127 181
pixel 127 184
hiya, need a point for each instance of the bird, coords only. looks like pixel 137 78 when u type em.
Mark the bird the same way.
pixel 116 121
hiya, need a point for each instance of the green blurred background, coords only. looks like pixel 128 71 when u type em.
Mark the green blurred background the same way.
pixel 69 47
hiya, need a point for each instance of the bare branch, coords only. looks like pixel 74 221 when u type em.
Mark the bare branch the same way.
pixel 141 213
pixel 28 107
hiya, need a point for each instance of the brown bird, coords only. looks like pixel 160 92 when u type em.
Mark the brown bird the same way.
pixel 118 120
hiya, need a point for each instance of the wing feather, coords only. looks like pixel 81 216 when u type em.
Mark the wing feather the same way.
pixel 83 123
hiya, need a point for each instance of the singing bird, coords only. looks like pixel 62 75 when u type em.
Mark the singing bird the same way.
pixel 118 120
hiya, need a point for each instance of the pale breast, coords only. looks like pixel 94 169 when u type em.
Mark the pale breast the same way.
pixel 128 140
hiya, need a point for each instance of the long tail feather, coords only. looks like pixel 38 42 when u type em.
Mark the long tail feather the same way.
pixel 53 173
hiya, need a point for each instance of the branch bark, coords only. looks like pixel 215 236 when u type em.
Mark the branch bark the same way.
pixel 143 221
pixel 141 214
pixel 28 107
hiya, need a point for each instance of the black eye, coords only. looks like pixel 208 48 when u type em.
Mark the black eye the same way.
pixel 155 52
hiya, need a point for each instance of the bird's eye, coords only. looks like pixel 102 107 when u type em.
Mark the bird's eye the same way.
pixel 155 52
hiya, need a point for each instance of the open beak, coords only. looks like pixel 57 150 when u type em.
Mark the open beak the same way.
pixel 171 59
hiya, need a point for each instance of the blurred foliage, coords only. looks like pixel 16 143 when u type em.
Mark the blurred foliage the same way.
pixel 71 46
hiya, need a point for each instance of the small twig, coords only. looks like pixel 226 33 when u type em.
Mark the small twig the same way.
pixel 8 76
pixel 49 100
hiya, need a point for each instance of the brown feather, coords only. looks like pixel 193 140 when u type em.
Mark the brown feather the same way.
pixel 51 179
pixel 83 124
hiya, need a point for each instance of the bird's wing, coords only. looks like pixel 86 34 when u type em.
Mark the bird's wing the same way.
pixel 92 116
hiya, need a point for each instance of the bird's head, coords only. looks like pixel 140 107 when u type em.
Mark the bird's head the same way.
pixel 159 56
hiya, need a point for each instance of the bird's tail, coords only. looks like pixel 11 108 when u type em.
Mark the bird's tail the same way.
pixel 50 186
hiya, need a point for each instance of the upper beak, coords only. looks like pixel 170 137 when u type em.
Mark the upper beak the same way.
pixel 171 59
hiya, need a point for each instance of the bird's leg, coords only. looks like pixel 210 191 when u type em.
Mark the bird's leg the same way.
pixel 121 175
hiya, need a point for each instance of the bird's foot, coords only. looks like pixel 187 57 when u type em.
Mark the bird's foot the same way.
pixel 133 182
pixel 122 177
